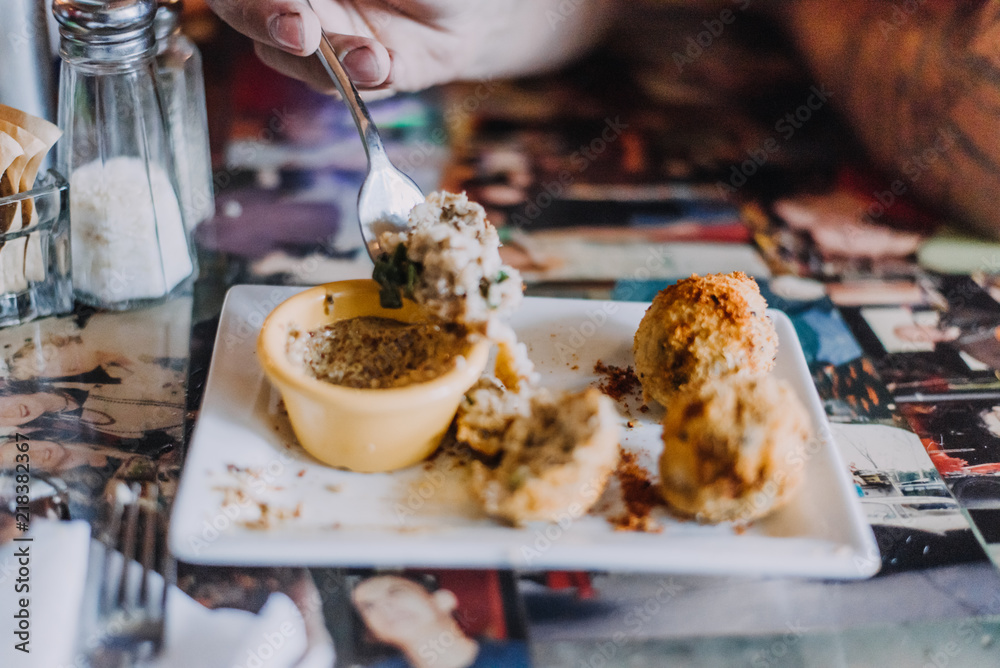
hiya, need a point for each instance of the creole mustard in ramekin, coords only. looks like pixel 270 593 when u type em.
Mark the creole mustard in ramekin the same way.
pixel 366 430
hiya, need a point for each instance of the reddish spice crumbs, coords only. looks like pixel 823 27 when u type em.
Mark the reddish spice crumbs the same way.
pixel 618 381
pixel 639 494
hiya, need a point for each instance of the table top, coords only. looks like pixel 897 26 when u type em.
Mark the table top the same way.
pixel 602 195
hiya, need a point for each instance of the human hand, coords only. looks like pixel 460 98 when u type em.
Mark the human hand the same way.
pixel 409 45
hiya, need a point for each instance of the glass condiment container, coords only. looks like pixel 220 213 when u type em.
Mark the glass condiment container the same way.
pixel 129 243
pixel 182 87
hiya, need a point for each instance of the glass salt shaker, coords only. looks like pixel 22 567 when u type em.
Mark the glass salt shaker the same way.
pixel 182 87
pixel 128 238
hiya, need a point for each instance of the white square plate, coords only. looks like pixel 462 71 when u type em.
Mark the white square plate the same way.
pixel 250 495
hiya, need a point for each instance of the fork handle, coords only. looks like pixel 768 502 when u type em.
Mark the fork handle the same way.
pixel 366 127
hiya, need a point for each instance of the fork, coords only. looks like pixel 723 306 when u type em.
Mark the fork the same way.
pixel 130 609
pixel 387 194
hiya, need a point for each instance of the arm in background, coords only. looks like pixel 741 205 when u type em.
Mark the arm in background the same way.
pixel 920 83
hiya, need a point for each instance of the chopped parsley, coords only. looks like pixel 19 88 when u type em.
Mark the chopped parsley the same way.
pixel 485 285
pixel 397 275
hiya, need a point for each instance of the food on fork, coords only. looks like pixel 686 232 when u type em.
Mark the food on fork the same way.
pixel 553 454
pixel 449 262
pixel 703 328
pixel 733 449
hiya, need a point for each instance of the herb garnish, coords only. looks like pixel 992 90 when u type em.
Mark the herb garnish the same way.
pixel 397 275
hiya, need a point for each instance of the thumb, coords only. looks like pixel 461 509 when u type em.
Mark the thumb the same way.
pixel 288 25
pixel 367 62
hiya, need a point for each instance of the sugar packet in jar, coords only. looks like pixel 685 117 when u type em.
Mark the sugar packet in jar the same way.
pixel 12 278
pixel 34 227
pixel 10 151
pixel 38 138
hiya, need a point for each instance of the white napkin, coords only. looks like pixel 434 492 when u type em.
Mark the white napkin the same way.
pixel 274 638
pixel 277 637
pixel 57 568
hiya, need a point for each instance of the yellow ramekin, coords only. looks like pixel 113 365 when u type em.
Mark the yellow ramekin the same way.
pixel 360 429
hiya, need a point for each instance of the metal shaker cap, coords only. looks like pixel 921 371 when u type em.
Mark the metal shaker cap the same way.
pixel 104 22
pixel 168 17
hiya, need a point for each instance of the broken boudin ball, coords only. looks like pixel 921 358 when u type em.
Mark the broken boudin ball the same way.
pixel 733 449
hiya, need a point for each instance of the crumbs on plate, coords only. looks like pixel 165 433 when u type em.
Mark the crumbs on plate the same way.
pixel 639 494
pixel 617 382
pixel 249 482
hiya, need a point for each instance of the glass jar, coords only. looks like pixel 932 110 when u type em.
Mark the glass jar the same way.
pixel 128 238
pixel 182 87
pixel 42 286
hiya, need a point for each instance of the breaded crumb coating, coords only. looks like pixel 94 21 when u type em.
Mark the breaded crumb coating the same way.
pixel 703 328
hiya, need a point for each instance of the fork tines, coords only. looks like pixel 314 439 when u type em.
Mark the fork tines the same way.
pixel 131 602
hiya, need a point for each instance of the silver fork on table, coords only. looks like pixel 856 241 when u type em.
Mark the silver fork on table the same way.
pixel 387 194
pixel 131 602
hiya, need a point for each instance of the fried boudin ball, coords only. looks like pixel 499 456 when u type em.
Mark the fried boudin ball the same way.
pixel 703 328
pixel 733 449
pixel 555 454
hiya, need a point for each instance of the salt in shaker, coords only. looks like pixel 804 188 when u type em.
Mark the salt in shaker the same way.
pixel 129 243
